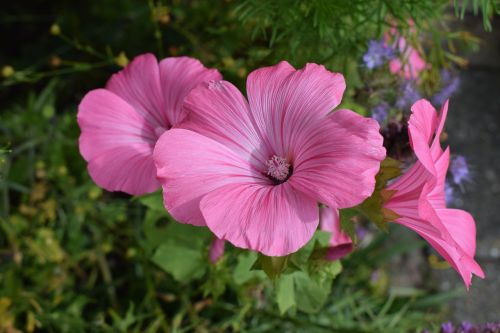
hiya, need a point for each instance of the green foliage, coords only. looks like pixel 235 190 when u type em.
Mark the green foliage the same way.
pixel 76 258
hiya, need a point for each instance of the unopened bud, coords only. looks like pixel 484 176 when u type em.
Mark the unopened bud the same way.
pixel 7 71
pixel 55 29
pixel 121 60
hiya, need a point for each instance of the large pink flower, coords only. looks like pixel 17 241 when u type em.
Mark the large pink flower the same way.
pixel 255 171
pixel 418 195
pixel 121 123
pixel 340 242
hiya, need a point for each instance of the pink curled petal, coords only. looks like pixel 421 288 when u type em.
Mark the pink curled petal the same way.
pixel 284 101
pixel 118 144
pixel 217 249
pixel 274 220
pixel 219 111
pixel 421 128
pixel 178 76
pixel 340 242
pixel 338 159
pixel 441 121
pixel 190 165
pixel 139 85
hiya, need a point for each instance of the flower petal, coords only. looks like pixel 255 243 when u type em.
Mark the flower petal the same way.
pixel 190 165
pixel 421 128
pixel 139 85
pixel 340 242
pixel 284 101
pixel 274 220
pixel 117 142
pixel 219 111
pixel 337 160
pixel 178 76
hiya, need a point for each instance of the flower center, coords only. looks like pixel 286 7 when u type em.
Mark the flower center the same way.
pixel 278 169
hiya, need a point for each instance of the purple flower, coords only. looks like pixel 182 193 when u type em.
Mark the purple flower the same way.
pixel 450 84
pixel 460 170
pixel 409 95
pixel 447 328
pixel 466 327
pixel 379 113
pixel 449 195
pixel 378 53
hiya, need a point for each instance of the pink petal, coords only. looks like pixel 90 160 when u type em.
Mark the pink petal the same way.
pixel 219 111
pixel 421 128
pixel 178 76
pixel 139 85
pixel 274 220
pixel 340 242
pixel 117 142
pixel 284 101
pixel 190 165
pixel 217 249
pixel 336 161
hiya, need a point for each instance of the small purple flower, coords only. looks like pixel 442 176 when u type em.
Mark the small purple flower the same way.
pixel 447 328
pixel 409 95
pixel 379 113
pixel 491 328
pixel 449 193
pixel 460 170
pixel 450 84
pixel 466 327
pixel 375 276
pixel 378 53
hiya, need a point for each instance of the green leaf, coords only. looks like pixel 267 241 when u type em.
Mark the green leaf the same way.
pixel 243 271
pixel 301 257
pixel 346 223
pixel 182 251
pixel 183 262
pixel 272 266
pixel 285 295
pixel 309 296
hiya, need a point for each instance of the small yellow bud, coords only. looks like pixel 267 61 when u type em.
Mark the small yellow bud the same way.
pixel 55 29
pixel 121 60
pixel 7 71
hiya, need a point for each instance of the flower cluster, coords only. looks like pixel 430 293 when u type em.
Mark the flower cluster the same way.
pixel 264 173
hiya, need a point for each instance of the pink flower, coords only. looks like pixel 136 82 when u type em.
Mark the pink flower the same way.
pixel 217 249
pixel 255 171
pixel 409 64
pixel 121 123
pixel 418 197
pixel 340 242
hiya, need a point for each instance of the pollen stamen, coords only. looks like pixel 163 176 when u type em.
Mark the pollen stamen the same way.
pixel 278 168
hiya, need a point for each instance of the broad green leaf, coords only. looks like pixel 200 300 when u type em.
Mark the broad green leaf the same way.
pixel 185 263
pixel 301 257
pixel 309 296
pixel 243 271
pixel 285 295
pixel 272 266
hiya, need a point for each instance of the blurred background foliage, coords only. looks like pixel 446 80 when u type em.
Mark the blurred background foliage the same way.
pixel 74 258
